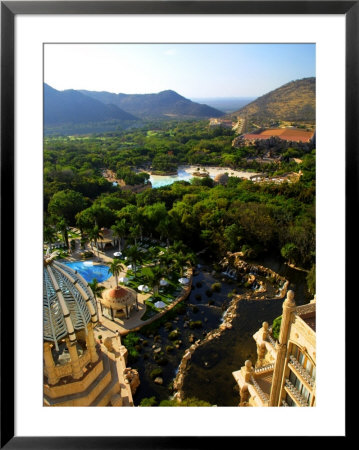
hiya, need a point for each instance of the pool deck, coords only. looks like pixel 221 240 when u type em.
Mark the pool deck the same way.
pixel 107 327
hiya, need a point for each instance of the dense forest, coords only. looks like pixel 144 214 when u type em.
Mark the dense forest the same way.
pixel 254 218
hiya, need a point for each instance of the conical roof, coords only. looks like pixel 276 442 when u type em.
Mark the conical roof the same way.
pixel 118 297
pixel 69 304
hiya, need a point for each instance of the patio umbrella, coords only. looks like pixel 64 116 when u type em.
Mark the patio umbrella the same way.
pixel 129 266
pixel 163 283
pixel 143 288
pixel 123 280
pixel 184 280
pixel 117 254
pixel 160 304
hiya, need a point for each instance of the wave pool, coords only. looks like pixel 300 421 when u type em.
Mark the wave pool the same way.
pixel 89 271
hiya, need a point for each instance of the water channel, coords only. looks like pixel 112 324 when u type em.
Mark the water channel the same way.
pixel 209 376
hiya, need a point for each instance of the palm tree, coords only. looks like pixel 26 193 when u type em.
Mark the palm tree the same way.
pixel 94 235
pixel 153 277
pixel 135 255
pixel 164 228
pixel 119 231
pixel 115 268
pixel 96 288
pixel 49 236
pixel 166 260
pixel 62 227
pixel 182 259
pixel 135 232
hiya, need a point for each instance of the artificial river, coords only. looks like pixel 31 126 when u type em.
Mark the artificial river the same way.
pixel 209 374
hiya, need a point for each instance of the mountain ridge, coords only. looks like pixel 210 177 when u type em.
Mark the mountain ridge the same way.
pixel 167 103
pixel 292 102
pixel 71 106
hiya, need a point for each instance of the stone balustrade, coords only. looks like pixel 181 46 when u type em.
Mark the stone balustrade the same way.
pixel 264 369
pixel 306 309
pixel 65 370
pixel 302 371
pixel 262 395
pixel 270 339
pixel 295 393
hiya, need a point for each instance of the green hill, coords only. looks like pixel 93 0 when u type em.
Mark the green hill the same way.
pixel 292 102
pixel 165 104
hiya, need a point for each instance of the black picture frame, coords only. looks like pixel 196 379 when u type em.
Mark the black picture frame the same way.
pixel 9 9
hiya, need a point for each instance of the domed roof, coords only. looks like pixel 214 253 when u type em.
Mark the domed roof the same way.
pixel 116 298
pixel 221 178
pixel 69 304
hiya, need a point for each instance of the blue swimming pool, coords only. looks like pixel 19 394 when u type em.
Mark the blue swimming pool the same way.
pixel 90 271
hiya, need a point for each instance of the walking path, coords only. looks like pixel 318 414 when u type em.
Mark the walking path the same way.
pixel 106 327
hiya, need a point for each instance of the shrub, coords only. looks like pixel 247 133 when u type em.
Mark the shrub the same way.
pixel 138 347
pixel 156 373
pixel 144 343
pixel 149 401
pixel 186 402
pixel 157 338
pixel 174 335
pixel 195 324
pixel 130 341
pixel 276 327
pixel 168 326
pixel 169 348
pixel 99 336
pixel 216 287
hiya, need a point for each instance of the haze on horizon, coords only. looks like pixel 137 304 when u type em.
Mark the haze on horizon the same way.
pixel 192 70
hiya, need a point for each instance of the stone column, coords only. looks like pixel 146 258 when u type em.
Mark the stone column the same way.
pixel 281 347
pixel 91 344
pixel 52 378
pixel 75 363
pixel 265 331
pixel 248 371
pixel 288 308
pixel 261 352
pixel 244 394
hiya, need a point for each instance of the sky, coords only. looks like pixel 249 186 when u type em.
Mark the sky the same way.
pixel 192 70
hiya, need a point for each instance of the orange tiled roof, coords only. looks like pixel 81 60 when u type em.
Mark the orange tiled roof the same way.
pixel 287 134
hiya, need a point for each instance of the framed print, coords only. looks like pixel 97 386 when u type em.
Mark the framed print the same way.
pixel 179 177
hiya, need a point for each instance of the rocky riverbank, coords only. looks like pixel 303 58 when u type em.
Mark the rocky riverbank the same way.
pixel 230 314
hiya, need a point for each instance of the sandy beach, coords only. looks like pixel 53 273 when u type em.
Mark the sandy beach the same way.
pixel 214 171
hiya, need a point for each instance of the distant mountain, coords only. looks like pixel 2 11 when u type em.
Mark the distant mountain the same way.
pixel 292 102
pixel 74 107
pixel 165 104
pixel 226 104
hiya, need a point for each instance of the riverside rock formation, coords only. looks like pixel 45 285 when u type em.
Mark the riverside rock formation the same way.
pixel 230 314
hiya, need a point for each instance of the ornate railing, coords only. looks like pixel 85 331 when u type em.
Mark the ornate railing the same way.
pixel 264 369
pixel 263 396
pixel 303 372
pixel 296 394
pixel 271 340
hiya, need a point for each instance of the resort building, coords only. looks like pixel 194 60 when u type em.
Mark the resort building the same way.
pixel 118 302
pixel 284 374
pixel 216 122
pixel 78 371
pixel 276 136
